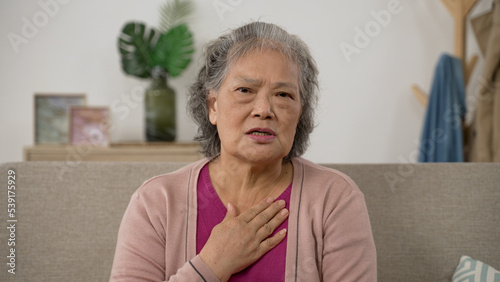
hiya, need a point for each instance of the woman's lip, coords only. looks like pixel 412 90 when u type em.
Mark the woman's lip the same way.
pixel 265 130
pixel 263 139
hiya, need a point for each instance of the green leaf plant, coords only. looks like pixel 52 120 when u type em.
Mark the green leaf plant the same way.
pixel 170 48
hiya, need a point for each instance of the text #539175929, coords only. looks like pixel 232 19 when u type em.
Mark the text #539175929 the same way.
pixel 11 221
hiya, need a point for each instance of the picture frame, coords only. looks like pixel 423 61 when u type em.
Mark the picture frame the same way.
pixel 89 125
pixel 51 116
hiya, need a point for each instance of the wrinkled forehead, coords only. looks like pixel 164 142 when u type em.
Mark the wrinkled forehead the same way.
pixel 258 46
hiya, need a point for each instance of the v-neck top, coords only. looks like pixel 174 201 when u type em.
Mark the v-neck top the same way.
pixel 211 211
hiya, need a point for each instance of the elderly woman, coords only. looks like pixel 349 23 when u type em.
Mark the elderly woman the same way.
pixel 253 210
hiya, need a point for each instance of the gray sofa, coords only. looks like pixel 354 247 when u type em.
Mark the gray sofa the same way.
pixel 424 216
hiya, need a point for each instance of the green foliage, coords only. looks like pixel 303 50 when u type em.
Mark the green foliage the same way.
pixel 174 13
pixel 136 44
pixel 174 49
pixel 142 48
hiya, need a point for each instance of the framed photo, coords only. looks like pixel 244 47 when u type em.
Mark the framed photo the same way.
pixel 51 116
pixel 89 125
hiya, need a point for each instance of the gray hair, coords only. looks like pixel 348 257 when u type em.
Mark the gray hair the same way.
pixel 222 52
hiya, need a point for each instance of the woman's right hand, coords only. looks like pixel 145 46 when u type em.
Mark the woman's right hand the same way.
pixel 240 240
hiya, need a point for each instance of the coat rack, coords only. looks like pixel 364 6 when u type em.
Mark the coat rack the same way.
pixel 459 9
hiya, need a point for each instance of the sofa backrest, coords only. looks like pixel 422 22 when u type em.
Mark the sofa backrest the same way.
pixel 424 216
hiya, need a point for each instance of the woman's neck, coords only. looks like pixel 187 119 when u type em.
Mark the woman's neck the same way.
pixel 245 184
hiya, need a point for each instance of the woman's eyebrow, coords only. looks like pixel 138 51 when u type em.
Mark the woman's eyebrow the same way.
pixel 258 82
pixel 289 85
pixel 248 80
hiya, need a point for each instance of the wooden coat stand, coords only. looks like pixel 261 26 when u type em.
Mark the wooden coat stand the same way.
pixel 459 9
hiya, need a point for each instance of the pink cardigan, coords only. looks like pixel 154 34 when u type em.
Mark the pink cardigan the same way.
pixel 329 235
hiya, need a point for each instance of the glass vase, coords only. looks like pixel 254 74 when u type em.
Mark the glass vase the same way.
pixel 159 104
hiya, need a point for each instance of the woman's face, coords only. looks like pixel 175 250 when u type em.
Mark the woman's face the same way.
pixel 257 108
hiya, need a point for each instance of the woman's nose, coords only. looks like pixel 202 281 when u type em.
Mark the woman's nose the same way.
pixel 263 107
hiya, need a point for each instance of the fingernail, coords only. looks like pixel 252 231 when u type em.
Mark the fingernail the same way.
pixel 270 200
pixel 281 203
pixel 283 231
pixel 284 212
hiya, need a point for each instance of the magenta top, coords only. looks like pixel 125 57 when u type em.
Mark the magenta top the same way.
pixel 211 211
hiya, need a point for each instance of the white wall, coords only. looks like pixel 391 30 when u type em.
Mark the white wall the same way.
pixel 367 112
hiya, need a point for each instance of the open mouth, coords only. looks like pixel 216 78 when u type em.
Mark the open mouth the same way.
pixel 260 133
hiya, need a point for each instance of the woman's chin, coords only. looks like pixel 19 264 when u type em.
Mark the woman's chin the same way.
pixel 263 156
pixel 255 153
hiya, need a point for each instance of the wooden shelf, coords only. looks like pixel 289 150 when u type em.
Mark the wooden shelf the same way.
pixel 176 152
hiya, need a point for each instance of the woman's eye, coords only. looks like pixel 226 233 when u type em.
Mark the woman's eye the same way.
pixel 284 95
pixel 243 90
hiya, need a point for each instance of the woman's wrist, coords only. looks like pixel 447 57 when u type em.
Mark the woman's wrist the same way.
pixel 215 267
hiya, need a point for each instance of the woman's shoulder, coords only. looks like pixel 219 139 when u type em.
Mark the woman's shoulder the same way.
pixel 317 171
pixel 171 182
pixel 323 179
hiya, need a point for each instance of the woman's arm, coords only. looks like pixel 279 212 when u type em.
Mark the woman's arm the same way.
pixel 349 250
pixel 140 250
pixel 237 242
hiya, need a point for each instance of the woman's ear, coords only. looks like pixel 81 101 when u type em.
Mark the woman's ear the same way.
pixel 212 107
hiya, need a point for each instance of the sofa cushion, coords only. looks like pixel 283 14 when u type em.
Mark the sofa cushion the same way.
pixel 470 269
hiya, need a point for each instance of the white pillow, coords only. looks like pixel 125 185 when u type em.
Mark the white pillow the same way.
pixel 471 270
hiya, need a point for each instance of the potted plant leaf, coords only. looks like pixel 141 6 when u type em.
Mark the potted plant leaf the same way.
pixel 159 54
